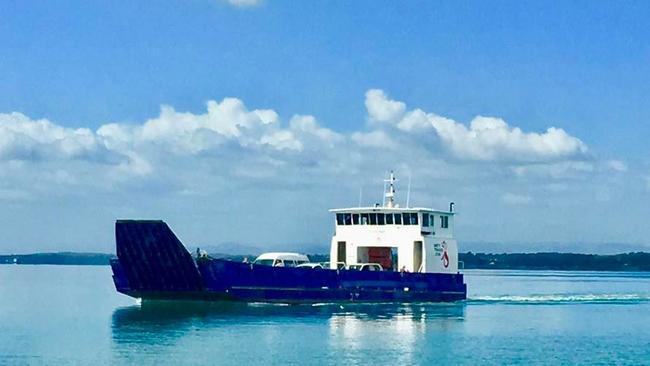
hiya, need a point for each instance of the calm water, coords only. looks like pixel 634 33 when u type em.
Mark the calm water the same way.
pixel 72 315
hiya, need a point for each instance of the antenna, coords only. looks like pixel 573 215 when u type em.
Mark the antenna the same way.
pixel 360 194
pixel 383 200
pixel 389 195
pixel 408 193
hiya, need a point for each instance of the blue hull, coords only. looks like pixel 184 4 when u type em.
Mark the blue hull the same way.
pixel 152 264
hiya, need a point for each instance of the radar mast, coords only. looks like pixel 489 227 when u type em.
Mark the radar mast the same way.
pixel 389 194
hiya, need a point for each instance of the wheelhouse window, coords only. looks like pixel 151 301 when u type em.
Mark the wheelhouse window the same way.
pixel 343 219
pixel 444 222
pixel 406 218
pixel 410 218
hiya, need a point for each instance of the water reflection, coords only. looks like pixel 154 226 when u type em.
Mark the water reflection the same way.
pixel 177 317
pixel 158 331
pixel 392 333
pixel 179 311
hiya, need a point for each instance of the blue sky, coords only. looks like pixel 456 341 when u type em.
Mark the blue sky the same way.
pixel 581 67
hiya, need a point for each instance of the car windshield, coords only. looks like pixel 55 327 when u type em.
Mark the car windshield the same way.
pixel 264 262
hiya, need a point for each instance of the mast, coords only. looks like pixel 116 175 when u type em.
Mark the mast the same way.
pixel 408 193
pixel 389 195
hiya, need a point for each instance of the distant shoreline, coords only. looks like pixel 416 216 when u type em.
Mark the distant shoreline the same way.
pixel 60 258
pixel 629 262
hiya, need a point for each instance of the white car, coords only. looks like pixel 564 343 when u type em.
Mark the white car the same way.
pixel 339 265
pixel 365 267
pixel 281 259
pixel 311 265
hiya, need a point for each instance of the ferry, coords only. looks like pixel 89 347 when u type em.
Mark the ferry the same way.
pixel 381 253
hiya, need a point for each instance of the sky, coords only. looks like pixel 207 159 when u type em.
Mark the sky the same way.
pixel 244 121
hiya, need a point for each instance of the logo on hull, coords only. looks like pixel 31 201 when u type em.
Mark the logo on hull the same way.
pixel 445 256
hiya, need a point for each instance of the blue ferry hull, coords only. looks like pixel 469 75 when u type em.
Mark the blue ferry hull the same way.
pixel 152 264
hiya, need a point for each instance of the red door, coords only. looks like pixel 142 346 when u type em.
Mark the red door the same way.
pixel 380 255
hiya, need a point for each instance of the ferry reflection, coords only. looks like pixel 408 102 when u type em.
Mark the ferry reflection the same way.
pixel 392 334
pixel 344 321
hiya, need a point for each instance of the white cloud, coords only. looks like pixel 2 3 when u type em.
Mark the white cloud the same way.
pixel 190 133
pixel 557 170
pixel 486 138
pixel 132 151
pixel 570 168
pixel 492 139
pixel 307 125
pixel 24 139
pixel 382 109
pixel 414 121
pixel 258 142
pixel 616 165
pixel 230 123
pixel 515 199
pixel 194 133
pixel 134 166
pixel 282 140
pixel 377 139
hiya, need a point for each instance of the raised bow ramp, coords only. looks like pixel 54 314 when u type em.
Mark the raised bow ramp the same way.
pixel 152 262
